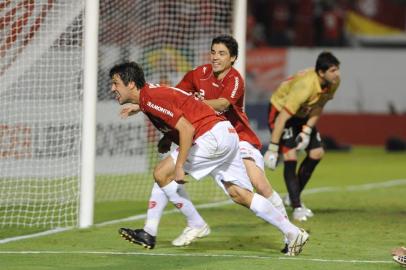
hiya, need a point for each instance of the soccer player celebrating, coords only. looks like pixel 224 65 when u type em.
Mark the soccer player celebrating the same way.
pixel 220 86
pixel 294 110
pixel 208 145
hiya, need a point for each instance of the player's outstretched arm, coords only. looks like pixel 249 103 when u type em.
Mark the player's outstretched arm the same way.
pixel 218 104
pixel 129 110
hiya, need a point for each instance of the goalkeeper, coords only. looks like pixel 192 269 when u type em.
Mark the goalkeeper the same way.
pixel 294 110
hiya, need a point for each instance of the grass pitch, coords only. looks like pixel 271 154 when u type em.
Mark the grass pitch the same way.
pixel 360 214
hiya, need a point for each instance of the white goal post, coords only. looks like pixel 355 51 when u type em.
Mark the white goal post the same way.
pixel 87 186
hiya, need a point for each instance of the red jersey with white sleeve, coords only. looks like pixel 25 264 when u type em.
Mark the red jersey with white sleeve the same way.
pixel 231 87
pixel 164 106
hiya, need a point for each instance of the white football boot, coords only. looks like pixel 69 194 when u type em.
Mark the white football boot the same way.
pixel 300 214
pixel 286 202
pixel 191 234
pixel 400 260
pixel 309 212
pixel 296 244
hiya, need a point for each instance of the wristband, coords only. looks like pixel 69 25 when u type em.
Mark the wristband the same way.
pixel 306 129
pixel 273 147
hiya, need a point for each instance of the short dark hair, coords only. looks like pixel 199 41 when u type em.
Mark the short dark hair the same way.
pixel 229 42
pixel 325 60
pixel 129 72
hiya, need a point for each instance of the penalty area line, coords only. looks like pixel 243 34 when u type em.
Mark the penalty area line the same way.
pixel 114 253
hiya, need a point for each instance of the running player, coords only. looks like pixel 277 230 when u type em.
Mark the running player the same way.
pixel 208 145
pixel 220 86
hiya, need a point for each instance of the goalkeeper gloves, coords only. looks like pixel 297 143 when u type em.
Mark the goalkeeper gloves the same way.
pixel 303 139
pixel 271 156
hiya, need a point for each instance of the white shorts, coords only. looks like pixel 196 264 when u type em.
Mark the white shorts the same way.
pixel 216 153
pixel 248 151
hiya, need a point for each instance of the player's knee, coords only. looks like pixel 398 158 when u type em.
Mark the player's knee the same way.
pixel 237 194
pixel 317 153
pixel 159 176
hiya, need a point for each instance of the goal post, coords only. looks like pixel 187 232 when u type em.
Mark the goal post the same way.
pixel 240 32
pixel 87 185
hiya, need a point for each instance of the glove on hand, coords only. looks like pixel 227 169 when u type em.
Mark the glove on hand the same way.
pixel 303 139
pixel 271 156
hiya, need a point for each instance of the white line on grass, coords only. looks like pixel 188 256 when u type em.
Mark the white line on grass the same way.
pixel 53 231
pixel 369 186
pixel 46 252
pixel 353 188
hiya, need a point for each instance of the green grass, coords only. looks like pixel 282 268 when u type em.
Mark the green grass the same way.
pixel 352 228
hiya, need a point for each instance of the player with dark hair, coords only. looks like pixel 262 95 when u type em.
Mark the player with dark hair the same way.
pixel 294 110
pixel 220 86
pixel 208 145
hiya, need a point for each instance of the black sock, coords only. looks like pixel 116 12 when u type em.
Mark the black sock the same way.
pixel 292 182
pixel 305 171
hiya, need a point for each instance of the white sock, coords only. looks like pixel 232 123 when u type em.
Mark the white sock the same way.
pixel 156 205
pixel 266 211
pixel 177 195
pixel 276 201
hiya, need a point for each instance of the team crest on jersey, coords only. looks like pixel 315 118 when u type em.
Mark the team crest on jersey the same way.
pixel 151 204
pixel 179 205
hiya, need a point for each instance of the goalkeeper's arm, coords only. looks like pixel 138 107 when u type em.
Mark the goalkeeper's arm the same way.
pixel 314 117
pixel 279 125
pixel 271 156
pixel 303 138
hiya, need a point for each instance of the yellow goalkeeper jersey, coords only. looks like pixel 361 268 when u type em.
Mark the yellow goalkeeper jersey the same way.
pixel 302 92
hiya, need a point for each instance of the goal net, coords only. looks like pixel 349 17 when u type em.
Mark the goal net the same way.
pixel 41 91
pixel 40 124
pixel 167 38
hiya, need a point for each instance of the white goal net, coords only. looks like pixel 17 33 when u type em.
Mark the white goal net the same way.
pixel 41 91
pixel 40 124
pixel 167 38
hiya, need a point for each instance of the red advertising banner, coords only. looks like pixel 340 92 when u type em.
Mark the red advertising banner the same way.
pixel 265 69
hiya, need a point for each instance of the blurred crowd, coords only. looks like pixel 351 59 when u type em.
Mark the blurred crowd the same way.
pixel 311 23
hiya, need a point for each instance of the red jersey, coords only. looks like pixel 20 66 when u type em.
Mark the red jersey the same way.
pixel 164 106
pixel 231 87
